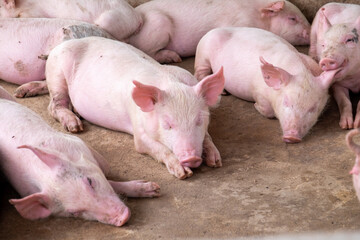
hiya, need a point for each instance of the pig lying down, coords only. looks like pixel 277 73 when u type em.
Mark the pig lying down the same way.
pixel 335 42
pixel 116 17
pixel 356 149
pixel 261 67
pixel 172 29
pixel 164 107
pixel 26 44
pixel 57 174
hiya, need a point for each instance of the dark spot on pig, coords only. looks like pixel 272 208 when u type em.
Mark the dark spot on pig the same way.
pixel 19 42
pixel 43 57
pixel 20 67
pixel 13 137
pixel 18 16
pixel 101 56
pixel 66 31
pixel 356 38
pixel 209 2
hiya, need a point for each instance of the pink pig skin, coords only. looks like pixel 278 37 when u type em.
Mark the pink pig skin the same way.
pixel 116 86
pixel 57 174
pixel 263 68
pixel 116 17
pixel 356 149
pixel 335 42
pixel 26 44
pixel 172 29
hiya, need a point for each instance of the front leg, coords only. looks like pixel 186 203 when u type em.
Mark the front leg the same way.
pixel 145 144
pixel 342 98
pixel 211 154
pixel 31 89
pixel 264 108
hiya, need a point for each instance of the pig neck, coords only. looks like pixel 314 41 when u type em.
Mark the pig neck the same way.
pixel 350 81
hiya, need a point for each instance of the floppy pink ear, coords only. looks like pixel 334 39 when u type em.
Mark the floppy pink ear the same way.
pixel 274 77
pixel 33 206
pixel 146 96
pixel 211 87
pixel 272 9
pixel 48 158
pixel 324 23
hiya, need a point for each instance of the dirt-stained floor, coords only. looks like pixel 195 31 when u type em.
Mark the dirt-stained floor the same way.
pixel 264 187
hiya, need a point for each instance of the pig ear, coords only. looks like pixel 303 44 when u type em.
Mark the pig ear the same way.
pixel 324 23
pixel 272 9
pixel 211 87
pixel 274 77
pixel 326 78
pixel 146 96
pixel 33 206
pixel 48 158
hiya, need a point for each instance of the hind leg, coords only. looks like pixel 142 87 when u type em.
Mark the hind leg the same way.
pixel 31 89
pixel 60 106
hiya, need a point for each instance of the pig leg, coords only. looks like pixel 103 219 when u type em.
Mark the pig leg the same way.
pixel 31 89
pixel 211 154
pixel 137 188
pixel 154 37
pixel 357 116
pixel 264 108
pixel 60 104
pixel 342 98
pixel 145 144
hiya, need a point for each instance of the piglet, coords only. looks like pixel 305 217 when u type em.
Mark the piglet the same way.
pixel 114 16
pixel 263 68
pixel 26 44
pixel 356 149
pixel 164 107
pixel 335 42
pixel 57 174
pixel 172 29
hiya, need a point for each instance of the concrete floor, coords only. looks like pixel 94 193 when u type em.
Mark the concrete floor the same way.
pixel 265 186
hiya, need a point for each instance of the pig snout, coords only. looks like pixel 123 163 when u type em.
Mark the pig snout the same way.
pixel 306 36
pixel 291 136
pixel 189 159
pixel 118 218
pixel 327 64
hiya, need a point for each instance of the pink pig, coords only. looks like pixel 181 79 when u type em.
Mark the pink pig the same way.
pixel 164 107
pixel 57 174
pixel 26 44
pixel 356 149
pixel 263 68
pixel 172 29
pixel 335 41
pixel 115 16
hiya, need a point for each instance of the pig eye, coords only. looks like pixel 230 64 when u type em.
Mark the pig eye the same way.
pixel 167 125
pixel 90 182
pixel 293 19
pixel 349 40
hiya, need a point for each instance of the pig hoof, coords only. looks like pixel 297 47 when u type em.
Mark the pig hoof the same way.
pixel 31 89
pixel 73 124
pixel 185 173
pixel 211 155
pixel 167 56
pixel 346 123
pixel 151 190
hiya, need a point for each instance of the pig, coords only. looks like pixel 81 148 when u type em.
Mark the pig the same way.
pixel 116 17
pixel 334 13
pixel 58 174
pixel 172 29
pixel 163 107
pixel 26 44
pixel 336 30
pixel 356 149
pixel 261 67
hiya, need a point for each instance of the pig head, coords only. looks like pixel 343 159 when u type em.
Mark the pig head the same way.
pixel 287 21
pixel 75 189
pixel 356 149
pixel 298 100
pixel 178 116
pixel 340 47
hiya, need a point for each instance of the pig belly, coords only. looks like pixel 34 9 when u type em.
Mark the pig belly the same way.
pixel 101 108
pixel 21 70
